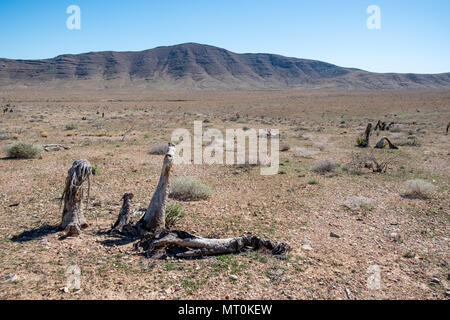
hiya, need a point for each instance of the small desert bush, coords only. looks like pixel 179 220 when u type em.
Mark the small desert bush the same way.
pixel 95 170
pixel 188 188
pixel 160 149
pixel 285 147
pixel 411 141
pixel 325 166
pixel 313 181
pixel 417 189
pixel 71 126
pixel 174 213
pixel 361 141
pixel 23 151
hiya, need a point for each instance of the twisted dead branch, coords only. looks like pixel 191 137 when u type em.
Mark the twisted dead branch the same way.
pixel 182 244
pixel 380 144
pixel 73 219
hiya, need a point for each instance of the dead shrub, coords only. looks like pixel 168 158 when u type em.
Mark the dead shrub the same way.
pixel 417 189
pixel 325 166
pixel 159 149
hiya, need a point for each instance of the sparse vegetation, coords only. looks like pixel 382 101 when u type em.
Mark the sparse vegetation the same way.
pixel 417 189
pixel 411 141
pixel 23 150
pixel 285 147
pixel 71 126
pixel 302 208
pixel 189 189
pixel 95 170
pixel 325 166
pixel 159 149
pixel 174 213
pixel 361 141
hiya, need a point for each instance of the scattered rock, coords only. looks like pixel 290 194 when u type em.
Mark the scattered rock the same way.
pixel 435 281
pixel 334 235
pixel 307 247
pixel 394 236
pixel 233 277
pixel 354 203
pixel 11 278
pixel 305 241
pixel 348 293
pixel 410 255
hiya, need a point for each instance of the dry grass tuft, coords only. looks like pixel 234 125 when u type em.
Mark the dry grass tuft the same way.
pixel 159 149
pixel 325 166
pixel 417 189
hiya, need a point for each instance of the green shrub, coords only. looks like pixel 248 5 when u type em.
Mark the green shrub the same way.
pixel 95 170
pixel 361 141
pixel 174 213
pixel 188 188
pixel 23 150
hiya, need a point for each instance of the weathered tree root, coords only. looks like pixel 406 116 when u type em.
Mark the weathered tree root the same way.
pixel 181 244
pixel 73 219
pixel 380 144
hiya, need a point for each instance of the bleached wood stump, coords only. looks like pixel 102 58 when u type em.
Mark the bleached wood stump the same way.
pixel 73 219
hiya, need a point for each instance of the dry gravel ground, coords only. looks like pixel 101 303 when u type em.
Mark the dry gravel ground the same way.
pixel 335 251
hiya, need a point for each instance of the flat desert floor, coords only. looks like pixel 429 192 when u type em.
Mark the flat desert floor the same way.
pixel 391 247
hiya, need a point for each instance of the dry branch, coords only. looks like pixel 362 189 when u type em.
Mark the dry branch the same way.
pixel 182 244
pixel 380 144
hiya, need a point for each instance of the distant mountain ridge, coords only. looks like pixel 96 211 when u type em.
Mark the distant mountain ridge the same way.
pixel 197 66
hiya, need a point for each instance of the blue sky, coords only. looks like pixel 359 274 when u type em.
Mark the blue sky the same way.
pixel 414 35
